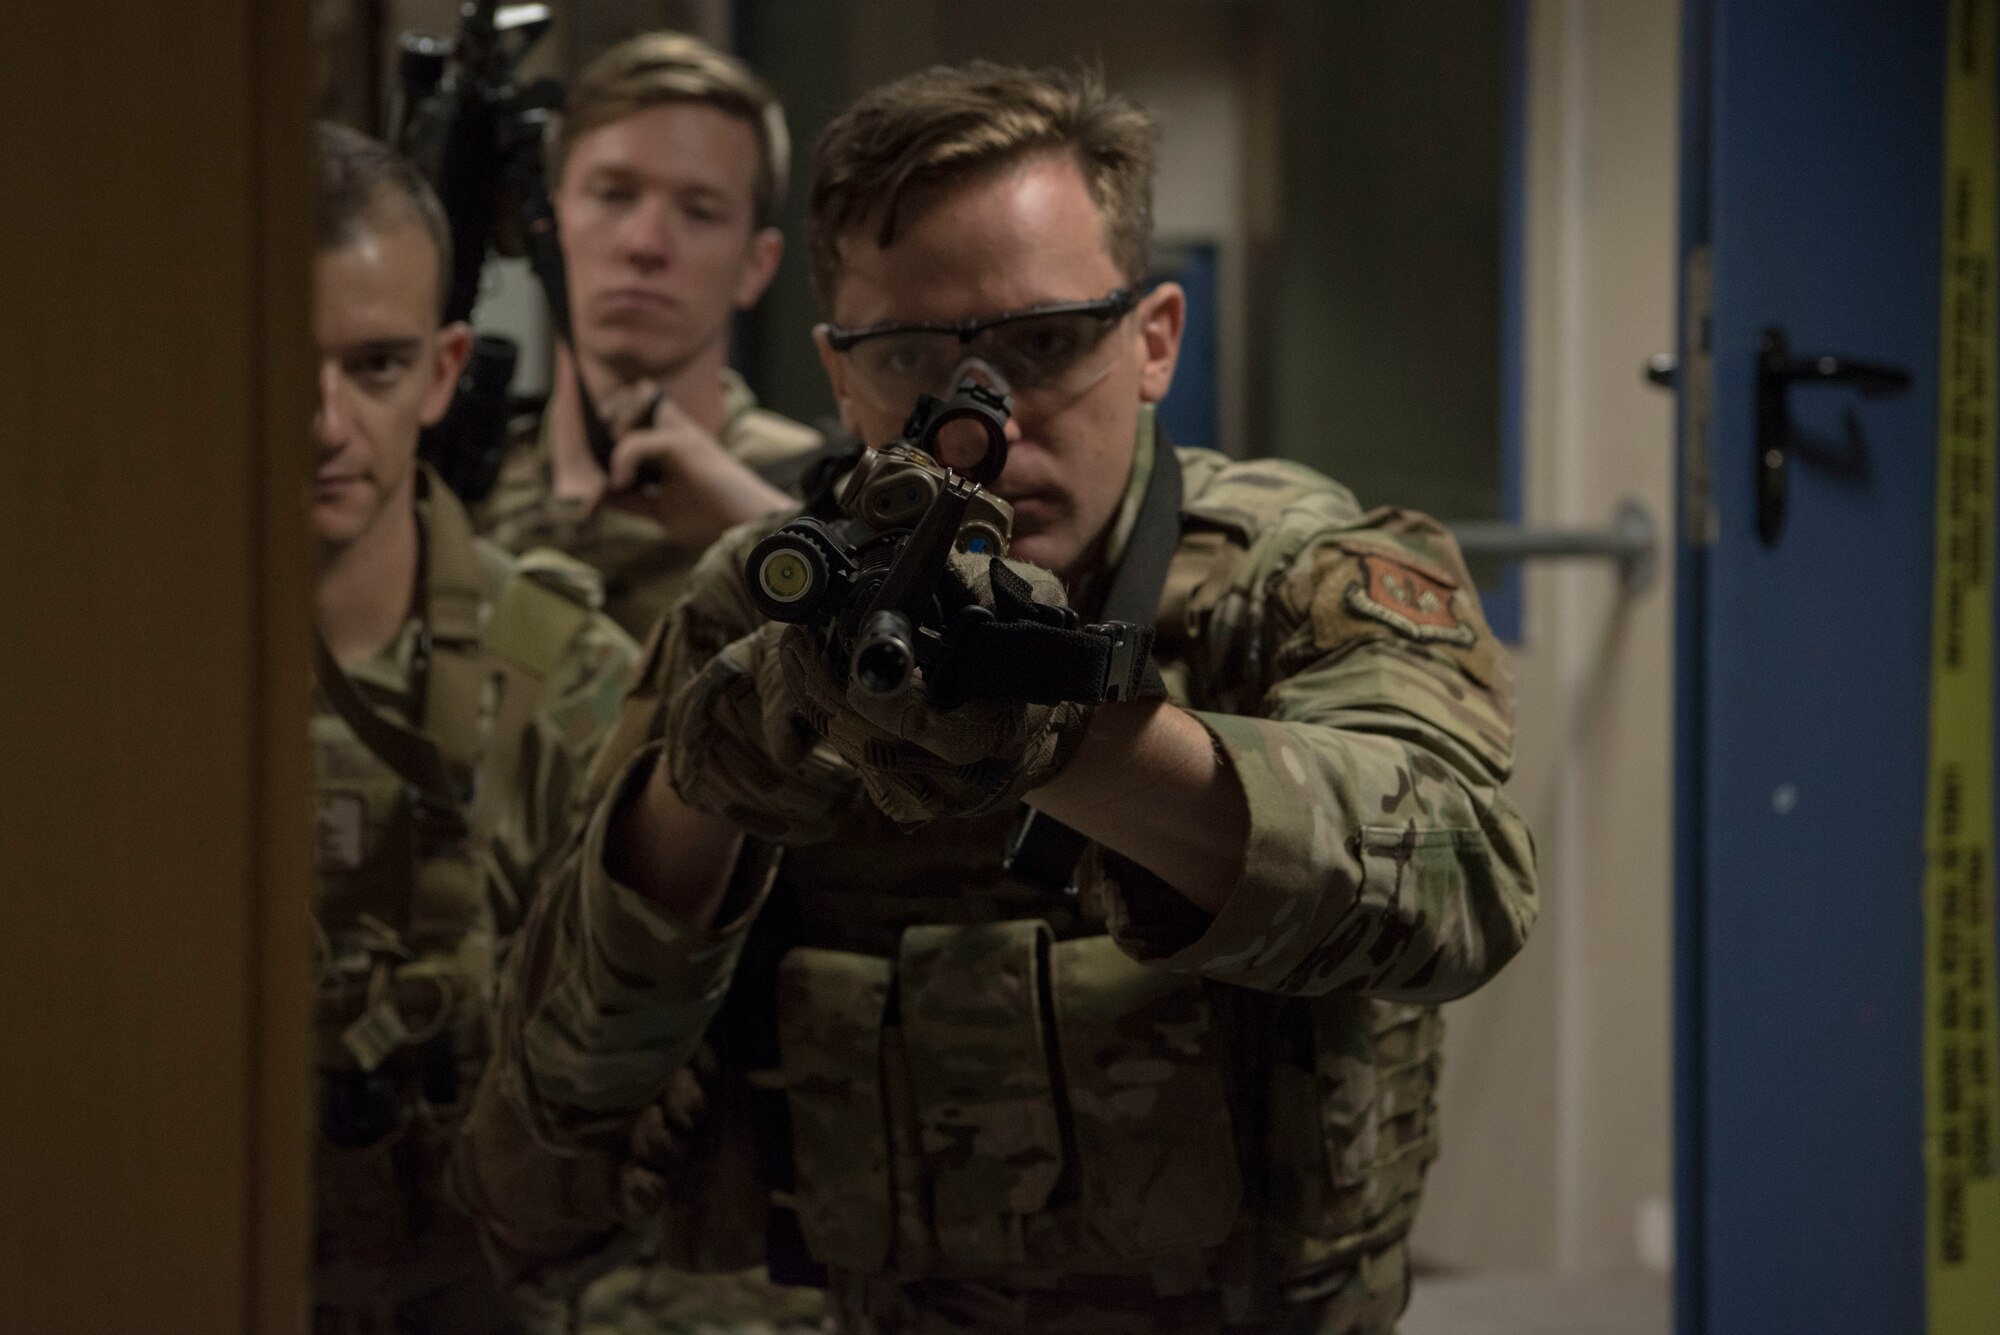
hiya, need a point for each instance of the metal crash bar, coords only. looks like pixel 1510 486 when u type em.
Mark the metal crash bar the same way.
pixel 1630 540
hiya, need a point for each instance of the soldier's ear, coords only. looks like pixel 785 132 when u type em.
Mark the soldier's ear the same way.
pixel 454 346
pixel 760 266
pixel 1161 316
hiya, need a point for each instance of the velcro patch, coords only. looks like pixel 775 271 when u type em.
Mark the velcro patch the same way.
pixel 339 831
pixel 1409 602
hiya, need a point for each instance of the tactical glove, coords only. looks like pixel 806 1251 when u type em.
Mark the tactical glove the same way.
pixel 919 762
pixel 736 748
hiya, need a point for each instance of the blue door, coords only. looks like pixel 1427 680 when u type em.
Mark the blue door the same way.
pixel 1811 188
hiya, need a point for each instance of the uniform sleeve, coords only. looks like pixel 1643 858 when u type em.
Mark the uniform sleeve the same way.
pixel 1382 857
pixel 605 996
pixel 579 707
pixel 776 448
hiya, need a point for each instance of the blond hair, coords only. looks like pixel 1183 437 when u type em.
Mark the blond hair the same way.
pixel 661 67
pixel 934 129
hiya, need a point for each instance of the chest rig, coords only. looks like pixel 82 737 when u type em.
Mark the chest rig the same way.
pixel 850 936
pixel 412 794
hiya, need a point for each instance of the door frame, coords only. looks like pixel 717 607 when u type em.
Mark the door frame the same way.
pixel 155 937
pixel 1694 383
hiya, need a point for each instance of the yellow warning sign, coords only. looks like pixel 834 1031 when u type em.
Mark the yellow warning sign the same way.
pixel 1960 1050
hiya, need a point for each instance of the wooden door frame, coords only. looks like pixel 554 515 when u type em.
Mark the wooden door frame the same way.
pixel 155 929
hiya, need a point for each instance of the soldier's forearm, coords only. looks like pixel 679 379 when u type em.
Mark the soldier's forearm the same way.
pixel 1147 782
pixel 677 857
pixel 1371 866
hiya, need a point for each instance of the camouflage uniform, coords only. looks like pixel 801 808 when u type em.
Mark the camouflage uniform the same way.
pixel 512 678
pixel 643 572
pixel 1106 1110
pixel 642 568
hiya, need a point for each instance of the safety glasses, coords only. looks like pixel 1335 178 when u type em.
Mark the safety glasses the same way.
pixel 1060 349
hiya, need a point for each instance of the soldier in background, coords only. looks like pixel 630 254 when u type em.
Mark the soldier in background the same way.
pixel 462 694
pixel 670 171
pixel 669 175
pixel 1183 1085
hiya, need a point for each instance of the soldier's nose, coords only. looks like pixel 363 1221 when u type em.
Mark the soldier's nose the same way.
pixel 330 422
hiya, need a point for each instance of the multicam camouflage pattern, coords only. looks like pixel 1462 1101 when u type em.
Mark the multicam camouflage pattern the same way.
pixel 918 763
pixel 643 569
pixel 1243 1103
pixel 390 1247
pixel 654 1300
pixel 771 784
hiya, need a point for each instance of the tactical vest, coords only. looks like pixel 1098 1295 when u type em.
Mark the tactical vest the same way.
pixel 410 912
pixel 979 1082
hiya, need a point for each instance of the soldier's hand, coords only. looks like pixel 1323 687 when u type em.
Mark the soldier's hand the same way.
pixel 919 762
pixel 666 465
pixel 736 748
pixel 666 1137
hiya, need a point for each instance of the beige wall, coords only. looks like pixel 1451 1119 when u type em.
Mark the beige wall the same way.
pixel 1383 292
pixel 1557 1089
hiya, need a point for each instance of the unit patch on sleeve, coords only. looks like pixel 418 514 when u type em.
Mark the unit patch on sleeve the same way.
pixel 1407 601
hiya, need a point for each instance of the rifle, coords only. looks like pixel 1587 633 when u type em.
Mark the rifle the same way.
pixel 874 579
pixel 478 135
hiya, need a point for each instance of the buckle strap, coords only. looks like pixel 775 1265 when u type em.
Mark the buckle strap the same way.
pixel 989 658
pixel 1044 851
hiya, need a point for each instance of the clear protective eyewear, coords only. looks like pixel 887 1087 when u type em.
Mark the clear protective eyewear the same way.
pixel 1060 349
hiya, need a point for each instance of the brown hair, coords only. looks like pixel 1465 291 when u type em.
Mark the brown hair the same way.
pixel 659 67
pixel 945 125
pixel 363 183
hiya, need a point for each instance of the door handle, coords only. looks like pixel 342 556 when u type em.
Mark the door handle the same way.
pixel 1777 371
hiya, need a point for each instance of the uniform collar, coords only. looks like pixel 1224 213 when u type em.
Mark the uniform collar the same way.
pixel 738 402
pixel 450 590
pixel 1127 517
pixel 1089 592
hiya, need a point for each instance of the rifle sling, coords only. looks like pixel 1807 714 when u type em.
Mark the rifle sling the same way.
pixel 438 755
pixel 1043 850
pixel 414 757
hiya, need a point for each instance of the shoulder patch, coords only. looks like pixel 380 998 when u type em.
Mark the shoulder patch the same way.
pixel 547 601
pixel 1414 603
pixel 533 626
pixel 1396 548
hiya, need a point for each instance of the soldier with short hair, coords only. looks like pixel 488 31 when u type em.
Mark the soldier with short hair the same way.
pixel 462 695
pixel 793 994
pixel 670 172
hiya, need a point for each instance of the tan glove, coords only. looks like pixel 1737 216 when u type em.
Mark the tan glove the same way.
pixel 918 762
pixel 664 1137
pixel 737 748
